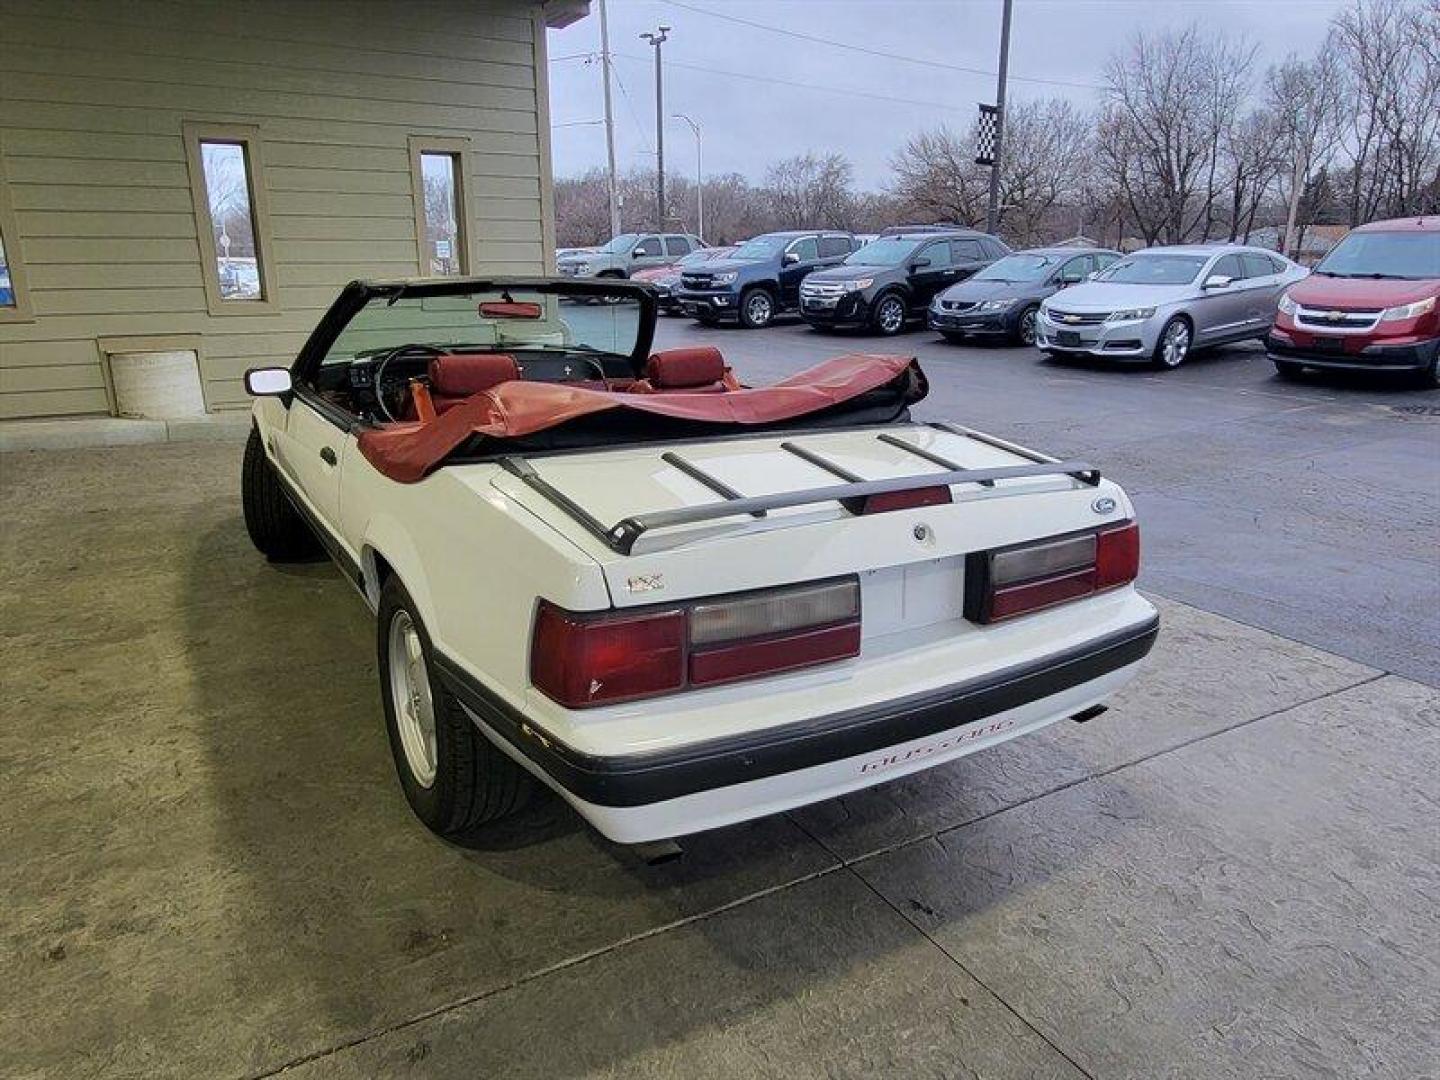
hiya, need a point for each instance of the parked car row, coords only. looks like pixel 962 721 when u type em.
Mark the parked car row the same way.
pixel 1370 304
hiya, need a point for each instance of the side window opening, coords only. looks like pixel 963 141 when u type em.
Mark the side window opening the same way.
pixel 808 249
pixel 226 181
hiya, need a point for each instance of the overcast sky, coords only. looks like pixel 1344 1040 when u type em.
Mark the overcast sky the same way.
pixel 748 122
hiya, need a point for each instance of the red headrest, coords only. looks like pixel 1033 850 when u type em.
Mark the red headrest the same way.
pixel 463 374
pixel 676 369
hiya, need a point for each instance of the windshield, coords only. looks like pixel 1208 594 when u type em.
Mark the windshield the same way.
pixel 703 255
pixel 762 247
pixel 513 321
pixel 1155 270
pixel 1412 255
pixel 625 242
pixel 890 251
pixel 1018 268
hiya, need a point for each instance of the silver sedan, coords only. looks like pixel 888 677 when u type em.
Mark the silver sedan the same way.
pixel 1161 303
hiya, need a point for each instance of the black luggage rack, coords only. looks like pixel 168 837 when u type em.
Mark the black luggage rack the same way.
pixel 623 535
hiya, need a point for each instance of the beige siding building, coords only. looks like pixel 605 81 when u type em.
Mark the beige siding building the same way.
pixel 202 176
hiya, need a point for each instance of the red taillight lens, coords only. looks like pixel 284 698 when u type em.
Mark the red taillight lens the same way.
pixel 1013 581
pixel 580 660
pixel 912 499
pixel 592 659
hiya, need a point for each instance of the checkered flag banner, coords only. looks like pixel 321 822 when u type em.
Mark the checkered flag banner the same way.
pixel 985 135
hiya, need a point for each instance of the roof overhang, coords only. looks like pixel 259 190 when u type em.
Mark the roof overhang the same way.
pixel 561 13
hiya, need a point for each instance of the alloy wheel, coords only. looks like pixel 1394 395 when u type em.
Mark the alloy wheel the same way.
pixel 1027 327
pixel 891 316
pixel 410 694
pixel 1176 345
pixel 758 309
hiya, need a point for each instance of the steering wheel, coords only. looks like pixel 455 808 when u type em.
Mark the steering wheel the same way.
pixel 381 389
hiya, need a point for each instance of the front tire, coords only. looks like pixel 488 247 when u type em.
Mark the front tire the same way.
pixel 276 528
pixel 1173 346
pixel 889 315
pixel 757 308
pixel 454 778
pixel 1025 325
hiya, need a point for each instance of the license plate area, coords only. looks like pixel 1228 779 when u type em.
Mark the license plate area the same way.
pixel 903 598
pixel 1329 345
pixel 1067 337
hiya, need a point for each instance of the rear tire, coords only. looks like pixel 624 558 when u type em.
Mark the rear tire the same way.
pixel 455 780
pixel 276 528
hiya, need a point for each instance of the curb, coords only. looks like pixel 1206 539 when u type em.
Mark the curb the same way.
pixel 101 431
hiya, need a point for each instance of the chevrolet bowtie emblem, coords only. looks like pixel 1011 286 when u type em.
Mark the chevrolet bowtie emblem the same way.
pixel 1072 318
pixel 1334 316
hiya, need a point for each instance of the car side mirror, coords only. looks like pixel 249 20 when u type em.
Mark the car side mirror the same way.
pixel 920 263
pixel 1217 281
pixel 790 258
pixel 268 382
pixel 638 253
pixel 1093 275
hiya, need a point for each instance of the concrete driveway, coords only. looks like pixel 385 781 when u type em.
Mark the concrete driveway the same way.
pixel 210 869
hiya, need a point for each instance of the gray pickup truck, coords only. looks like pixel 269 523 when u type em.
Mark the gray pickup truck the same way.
pixel 629 252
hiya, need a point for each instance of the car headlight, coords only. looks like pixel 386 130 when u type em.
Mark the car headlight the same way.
pixel 725 279
pixel 858 284
pixel 999 305
pixel 1131 314
pixel 1408 311
pixel 1286 305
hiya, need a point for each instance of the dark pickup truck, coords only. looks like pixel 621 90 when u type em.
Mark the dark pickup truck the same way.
pixel 762 278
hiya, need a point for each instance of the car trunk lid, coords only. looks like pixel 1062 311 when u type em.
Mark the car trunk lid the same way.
pixel 910 560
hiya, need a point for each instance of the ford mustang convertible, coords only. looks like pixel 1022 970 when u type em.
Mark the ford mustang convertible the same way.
pixel 678 601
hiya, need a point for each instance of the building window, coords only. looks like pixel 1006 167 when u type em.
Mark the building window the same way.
pixel 438 172
pixel 226 182
pixel 14 299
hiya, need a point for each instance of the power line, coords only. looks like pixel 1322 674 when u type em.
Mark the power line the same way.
pixel 873 52
pixel 649 148
pixel 800 85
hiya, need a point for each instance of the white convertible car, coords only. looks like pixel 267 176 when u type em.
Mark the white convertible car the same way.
pixel 678 601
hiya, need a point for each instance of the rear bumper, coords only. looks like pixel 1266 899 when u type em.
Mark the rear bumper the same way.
pixel 1412 356
pixel 703 785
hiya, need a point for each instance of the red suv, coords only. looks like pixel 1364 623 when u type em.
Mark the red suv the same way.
pixel 1372 304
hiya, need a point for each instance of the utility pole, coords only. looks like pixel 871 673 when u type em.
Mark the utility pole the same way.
pixel 699 177
pixel 658 38
pixel 609 123
pixel 992 219
pixel 1297 181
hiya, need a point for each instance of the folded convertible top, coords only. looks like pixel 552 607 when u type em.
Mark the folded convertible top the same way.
pixel 408 452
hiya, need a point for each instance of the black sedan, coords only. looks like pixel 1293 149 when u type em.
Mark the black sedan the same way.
pixel 1002 300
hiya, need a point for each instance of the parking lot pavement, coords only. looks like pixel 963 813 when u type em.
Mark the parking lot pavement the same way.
pixel 211 871
pixel 1311 509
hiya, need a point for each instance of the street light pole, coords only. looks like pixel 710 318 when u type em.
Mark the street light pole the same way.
pixel 657 39
pixel 992 219
pixel 699 177
pixel 609 123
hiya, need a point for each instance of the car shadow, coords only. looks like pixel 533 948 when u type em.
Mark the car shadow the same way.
pixel 338 900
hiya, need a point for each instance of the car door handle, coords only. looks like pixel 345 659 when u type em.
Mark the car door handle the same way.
pixel 327 455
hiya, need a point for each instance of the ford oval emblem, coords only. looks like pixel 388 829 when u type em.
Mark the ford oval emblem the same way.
pixel 1103 505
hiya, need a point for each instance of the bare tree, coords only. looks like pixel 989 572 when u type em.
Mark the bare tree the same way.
pixel 1047 156
pixel 1171 99
pixel 1305 98
pixel 936 178
pixel 809 191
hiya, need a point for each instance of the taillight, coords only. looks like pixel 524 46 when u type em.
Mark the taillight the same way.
pixel 583 659
pixel 1012 581
pixel 909 499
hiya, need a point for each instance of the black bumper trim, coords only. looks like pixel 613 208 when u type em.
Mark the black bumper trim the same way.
pixel 1415 357
pixel 640 779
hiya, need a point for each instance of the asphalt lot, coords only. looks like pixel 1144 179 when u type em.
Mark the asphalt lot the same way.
pixel 1309 509
pixel 210 869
